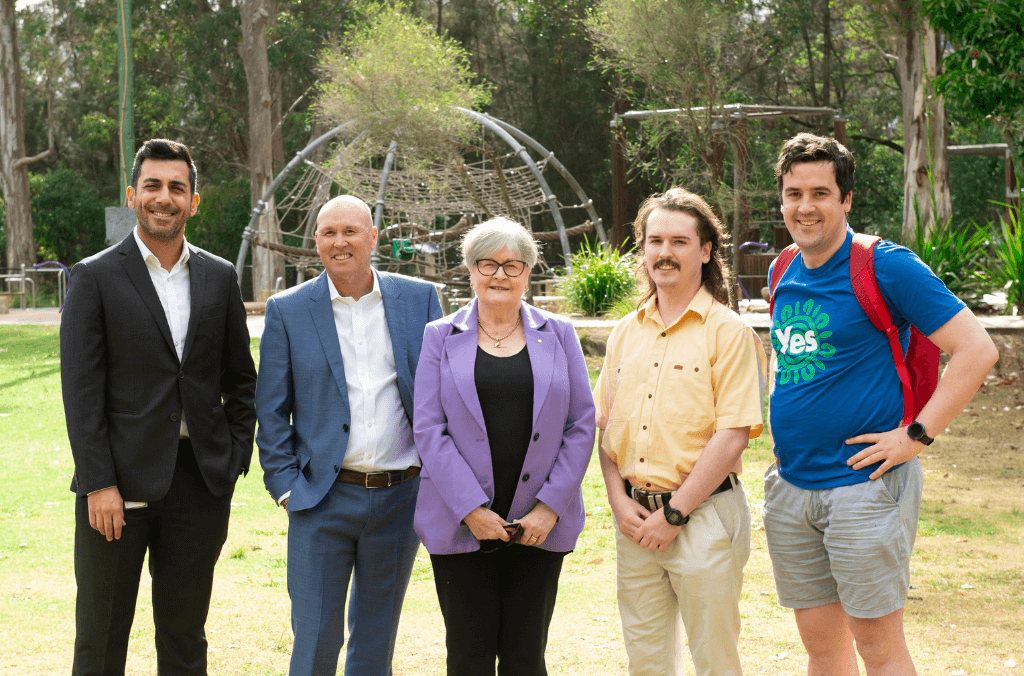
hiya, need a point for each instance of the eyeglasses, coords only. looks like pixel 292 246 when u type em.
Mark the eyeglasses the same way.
pixel 489 268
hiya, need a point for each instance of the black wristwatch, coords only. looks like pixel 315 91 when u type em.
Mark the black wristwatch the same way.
pixel 674 516
pixel 916 431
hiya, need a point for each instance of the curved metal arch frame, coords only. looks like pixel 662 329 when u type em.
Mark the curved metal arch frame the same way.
pixel 585 201
pixel 506 132
pixel 250 230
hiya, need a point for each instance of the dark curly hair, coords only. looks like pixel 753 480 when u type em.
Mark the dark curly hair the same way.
pixel 713 274
pixel 811 148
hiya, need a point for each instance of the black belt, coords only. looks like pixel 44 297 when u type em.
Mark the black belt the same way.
pixel 384 479
pixel 655 500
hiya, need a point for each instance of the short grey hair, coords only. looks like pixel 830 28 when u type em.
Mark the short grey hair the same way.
pixel 495 234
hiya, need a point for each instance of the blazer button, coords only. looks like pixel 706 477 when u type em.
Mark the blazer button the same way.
pixel 174 417
pixel 344 428
pixel 526 477
pixel 536 437
pixel 337 468
pixel 181 375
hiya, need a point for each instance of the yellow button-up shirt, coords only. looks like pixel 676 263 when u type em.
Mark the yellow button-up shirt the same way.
pixel 664 391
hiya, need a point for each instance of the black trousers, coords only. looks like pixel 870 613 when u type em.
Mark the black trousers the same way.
pixel 184 533
pixel 497 605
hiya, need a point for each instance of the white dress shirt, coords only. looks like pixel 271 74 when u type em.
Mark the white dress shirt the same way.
pixel 172 287
pixel 380 436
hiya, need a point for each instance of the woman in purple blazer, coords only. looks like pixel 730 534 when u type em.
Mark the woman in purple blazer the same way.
pixel 504 425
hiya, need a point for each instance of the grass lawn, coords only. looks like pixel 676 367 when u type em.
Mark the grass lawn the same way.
pixel 964 616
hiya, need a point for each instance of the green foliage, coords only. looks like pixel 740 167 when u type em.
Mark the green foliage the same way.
pixel 397 79
pixel 600 278
pixel 1008 268
pixel 222 216
pixel 68 214
pixel 984 75
pixel 957 256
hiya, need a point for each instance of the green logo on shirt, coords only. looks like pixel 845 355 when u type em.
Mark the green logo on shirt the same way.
pixel 799 342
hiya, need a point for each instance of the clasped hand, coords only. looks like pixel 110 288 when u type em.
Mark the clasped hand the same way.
pixel 487 525
pixel 648 530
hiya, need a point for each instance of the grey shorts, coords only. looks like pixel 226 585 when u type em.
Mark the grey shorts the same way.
pixel 850 544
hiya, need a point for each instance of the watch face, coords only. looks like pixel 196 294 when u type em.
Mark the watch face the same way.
pixel 915 430
pixel 673 516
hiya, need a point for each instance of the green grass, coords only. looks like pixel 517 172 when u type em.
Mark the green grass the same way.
pixel 961 541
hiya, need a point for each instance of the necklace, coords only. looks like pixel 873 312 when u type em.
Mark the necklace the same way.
pixel 497 341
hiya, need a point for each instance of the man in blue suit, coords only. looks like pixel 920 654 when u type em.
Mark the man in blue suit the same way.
pixel 334 399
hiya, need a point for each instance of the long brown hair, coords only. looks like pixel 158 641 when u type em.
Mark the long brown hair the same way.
pixel 713 274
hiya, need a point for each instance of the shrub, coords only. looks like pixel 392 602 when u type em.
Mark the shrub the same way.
pixel 957 256
pixel 1008 266
pixel 599 279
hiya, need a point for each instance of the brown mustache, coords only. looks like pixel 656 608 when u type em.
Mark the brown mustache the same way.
pixel 662 261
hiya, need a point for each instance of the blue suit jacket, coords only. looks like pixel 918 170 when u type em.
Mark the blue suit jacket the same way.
pixel 301 394
pixel 451 436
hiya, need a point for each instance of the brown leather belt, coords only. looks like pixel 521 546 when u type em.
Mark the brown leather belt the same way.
pixel 384 479
pixel 655 500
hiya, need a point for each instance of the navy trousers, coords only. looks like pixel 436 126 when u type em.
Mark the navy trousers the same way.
pixel 357 534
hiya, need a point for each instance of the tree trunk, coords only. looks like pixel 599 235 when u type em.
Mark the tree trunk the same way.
pixel 256 15
pixel 21 245
pixel 925 167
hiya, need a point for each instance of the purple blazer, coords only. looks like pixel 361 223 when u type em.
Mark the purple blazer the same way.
pixel 451 437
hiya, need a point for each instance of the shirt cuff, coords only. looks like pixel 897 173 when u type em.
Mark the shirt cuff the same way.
pixel 283 498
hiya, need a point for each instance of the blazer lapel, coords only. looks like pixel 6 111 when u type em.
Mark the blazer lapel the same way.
pixel 460 350
pixel 135 268
pixel 541 347
pixel 395 314
pixel 197 293
pixel 323 319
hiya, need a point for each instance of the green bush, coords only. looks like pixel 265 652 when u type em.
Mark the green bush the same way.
pixel 957 256
pixel 68 215
pixel 1008 266
pixel 599 279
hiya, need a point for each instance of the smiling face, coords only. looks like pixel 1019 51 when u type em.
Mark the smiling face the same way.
pixel 815 210
pixel 345 238
pixel 163 200
pixel 673 253
pixel 499 289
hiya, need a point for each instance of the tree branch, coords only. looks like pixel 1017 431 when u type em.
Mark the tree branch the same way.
pixel 879 141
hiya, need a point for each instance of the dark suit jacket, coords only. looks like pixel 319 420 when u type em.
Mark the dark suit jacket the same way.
pixel 302 398
pixel 125 389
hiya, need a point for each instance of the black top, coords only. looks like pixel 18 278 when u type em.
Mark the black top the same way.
pixel 504 386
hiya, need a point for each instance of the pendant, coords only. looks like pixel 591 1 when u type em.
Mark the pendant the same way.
pixel 497 343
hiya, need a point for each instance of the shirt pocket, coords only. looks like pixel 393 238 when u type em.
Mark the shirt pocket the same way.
pixel 687 390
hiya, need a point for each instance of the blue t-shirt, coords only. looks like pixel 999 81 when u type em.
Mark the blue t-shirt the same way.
pixel 834 374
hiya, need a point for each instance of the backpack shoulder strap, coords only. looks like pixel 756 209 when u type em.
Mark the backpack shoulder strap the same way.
pixel 865 287
pixel 779 269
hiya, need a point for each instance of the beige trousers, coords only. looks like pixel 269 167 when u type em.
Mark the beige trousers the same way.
pixel 698 581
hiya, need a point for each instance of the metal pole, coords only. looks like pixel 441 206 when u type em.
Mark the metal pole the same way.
pixel 126 95
pixel 378 207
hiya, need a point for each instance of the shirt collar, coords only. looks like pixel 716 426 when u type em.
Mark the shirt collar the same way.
pixel 151 258
pixel 374 293
pixel 699 305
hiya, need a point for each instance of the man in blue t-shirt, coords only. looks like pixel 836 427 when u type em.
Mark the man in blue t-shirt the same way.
pixel 842 499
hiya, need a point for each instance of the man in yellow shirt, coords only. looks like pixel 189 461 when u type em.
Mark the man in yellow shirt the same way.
pixel 678 398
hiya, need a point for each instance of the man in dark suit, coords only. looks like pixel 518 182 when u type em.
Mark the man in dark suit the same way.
pixel 335 394
pixel 158 389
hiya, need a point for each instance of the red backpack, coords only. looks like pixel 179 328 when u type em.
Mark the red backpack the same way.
pixel 919 372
